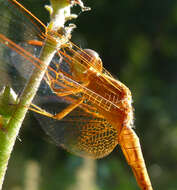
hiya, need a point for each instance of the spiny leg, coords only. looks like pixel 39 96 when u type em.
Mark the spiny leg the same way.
pixel 90 109
pixel 59 80
pixel 59 115
pixel 67 110
pixel 39 110
pixel 68 90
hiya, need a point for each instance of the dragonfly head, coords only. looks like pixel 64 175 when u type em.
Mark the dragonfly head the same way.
pixel 85 61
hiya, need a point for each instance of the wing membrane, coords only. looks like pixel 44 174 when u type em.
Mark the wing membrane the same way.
pixel 81 132
pixel 19 25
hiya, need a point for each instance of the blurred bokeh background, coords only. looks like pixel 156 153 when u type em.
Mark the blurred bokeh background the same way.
pixel 137 41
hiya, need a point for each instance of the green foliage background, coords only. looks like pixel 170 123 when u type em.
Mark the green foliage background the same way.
pixel 137 41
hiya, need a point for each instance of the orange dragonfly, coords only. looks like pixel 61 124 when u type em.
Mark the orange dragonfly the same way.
pixel 98 114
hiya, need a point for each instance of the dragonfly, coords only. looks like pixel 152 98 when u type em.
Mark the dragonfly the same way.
pixel 97 114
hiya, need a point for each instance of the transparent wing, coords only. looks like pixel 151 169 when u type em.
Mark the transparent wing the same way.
pixel 19 26
pixel 18 23
pixel 16 63
pixel 82 132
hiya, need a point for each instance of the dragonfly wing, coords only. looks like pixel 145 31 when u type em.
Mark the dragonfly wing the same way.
pixel 80 132
pixel 19 27
pixel 17 24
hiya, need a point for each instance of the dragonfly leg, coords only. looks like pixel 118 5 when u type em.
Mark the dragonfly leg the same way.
pixel 87 108
pixel 67 110
pixel 131 148
pixel 66 90
pixel 59 115
pixel 39 110
pixel 52 82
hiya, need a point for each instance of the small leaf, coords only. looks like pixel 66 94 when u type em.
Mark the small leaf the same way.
pixel 7 101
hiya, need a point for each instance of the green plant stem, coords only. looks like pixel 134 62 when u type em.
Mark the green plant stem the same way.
pixel 8 137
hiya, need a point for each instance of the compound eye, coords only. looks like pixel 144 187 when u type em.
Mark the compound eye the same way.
pixel 93 59
pixel 83 61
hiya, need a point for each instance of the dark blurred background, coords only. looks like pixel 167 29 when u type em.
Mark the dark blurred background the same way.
pixel 137 41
